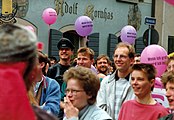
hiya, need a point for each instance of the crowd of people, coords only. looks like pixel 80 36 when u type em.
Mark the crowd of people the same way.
pixel 35 86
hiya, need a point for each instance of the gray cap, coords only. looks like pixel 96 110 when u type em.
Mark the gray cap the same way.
pixel 17 43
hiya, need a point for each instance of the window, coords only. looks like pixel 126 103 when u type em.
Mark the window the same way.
pixel 170 44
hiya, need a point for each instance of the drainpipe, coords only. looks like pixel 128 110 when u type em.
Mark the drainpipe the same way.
pixel 163 26
pixel 153 10
pixel 151 26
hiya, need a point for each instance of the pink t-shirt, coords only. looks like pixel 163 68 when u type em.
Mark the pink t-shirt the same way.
pixel 132 110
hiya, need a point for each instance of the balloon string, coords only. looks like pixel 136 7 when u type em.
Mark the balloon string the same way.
pixel 48 36
pixel 86 39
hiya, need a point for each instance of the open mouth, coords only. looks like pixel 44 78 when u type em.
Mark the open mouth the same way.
pixel 170 100
pixel 136 88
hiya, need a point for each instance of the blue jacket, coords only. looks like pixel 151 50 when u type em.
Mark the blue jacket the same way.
pixel 50 97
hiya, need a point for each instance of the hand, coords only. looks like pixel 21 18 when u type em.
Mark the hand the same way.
pixel 62 105
pixel 69 109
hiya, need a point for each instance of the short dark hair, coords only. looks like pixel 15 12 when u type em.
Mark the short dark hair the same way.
pixel 137 55
pixel 53 58
pixel 148 69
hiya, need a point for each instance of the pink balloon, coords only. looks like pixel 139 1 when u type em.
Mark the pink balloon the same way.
pixel 156 55
pixel 170 2
pixel 158 83
pixel 83 25
pixel 30 28
pixel 128 34
pixel 49 16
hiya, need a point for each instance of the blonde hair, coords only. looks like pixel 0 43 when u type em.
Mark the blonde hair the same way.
pixel 86 50
pixel 131 49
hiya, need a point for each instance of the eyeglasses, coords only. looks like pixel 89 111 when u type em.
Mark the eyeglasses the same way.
pixel 74 92
pixel 120 56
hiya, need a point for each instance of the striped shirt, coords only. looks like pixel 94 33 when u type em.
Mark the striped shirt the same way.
pixel 119 91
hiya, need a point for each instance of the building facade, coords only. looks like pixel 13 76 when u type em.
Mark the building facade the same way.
pixel 108 16
pixel 164 13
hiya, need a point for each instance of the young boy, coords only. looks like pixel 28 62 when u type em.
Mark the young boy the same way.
pixel 143 107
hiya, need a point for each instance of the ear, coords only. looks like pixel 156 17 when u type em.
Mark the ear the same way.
pixel 72 52
pixel 132 61
pixel 92 61
pixel 42 64
pixel 89 96
pixel 152 82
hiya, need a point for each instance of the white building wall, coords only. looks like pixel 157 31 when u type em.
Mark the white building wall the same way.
pixel 165 21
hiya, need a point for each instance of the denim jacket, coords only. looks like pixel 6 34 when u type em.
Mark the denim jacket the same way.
pixel 50 96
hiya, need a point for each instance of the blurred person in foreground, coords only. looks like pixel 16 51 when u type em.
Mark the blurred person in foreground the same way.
pixel 143 107
pixel 81 92
pixel 17 60
pixel 168 82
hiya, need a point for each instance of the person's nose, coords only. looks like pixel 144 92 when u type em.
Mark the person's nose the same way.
pixel 118 57
pixel 168 93
pixel 64 50
pixel 69 94
pixel 134 82
pixel 102 64
pixel 172 68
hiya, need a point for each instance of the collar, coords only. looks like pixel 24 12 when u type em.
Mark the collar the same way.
pixel 117 78
pixel 83 111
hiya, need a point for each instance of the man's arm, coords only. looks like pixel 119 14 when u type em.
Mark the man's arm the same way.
pixel 52 99
pixel 101 96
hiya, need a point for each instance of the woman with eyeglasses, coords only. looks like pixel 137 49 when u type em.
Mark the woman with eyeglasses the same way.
pixel 81 92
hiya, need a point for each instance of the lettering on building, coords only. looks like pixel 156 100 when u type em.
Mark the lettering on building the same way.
pixel 63 7
pixel 102 14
